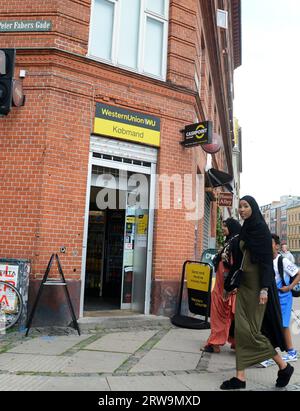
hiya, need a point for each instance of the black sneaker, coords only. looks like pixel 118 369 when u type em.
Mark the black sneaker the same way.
pixel 233 384
pixel 284 376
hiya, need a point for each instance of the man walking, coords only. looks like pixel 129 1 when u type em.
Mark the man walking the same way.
pixel 287 275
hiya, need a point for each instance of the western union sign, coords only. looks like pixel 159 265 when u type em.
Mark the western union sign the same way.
pixel 127 125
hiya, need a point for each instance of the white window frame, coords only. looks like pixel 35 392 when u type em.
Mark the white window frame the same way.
pixel 113 33
pixel 144 13
pixel 222 19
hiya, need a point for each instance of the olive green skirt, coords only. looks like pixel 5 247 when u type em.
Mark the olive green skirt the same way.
pixel 252 347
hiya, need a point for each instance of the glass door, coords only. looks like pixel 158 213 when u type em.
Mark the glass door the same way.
pixel 135 245
pixel 128 255
pixel 140 260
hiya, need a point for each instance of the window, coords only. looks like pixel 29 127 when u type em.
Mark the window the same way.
pixel 131 34
pixel 197 82
pixel 222 19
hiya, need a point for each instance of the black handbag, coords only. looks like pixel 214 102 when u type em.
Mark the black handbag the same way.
pixel 234 281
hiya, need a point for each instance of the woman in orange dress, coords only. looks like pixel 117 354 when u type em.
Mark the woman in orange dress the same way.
pixel 222 311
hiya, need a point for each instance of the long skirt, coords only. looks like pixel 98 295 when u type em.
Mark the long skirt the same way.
pixel 252 347
pixel 221 312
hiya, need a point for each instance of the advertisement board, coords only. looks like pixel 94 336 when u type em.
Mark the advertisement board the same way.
pixel 198 276
pixel 15 272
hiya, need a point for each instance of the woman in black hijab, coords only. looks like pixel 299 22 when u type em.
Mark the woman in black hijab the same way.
pixel 258 329
pixel 222 311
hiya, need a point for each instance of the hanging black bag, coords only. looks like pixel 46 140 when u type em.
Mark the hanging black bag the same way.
pixel 234 281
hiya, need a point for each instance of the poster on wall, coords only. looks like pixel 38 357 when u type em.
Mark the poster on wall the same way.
pixel 16 272
pixel 9 274
pixel 142 229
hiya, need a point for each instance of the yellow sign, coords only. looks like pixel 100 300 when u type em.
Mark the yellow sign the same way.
pixel 130 219
pixel 142 224
pixel 198 276
pixel 127 125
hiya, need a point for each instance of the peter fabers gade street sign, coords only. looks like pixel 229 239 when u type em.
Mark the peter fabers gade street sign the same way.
pixel 128 125
pixel 25 25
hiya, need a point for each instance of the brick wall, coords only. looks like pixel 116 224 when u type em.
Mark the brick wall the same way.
pixel 44 145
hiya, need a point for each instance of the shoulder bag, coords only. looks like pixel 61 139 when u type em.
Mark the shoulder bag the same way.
pixel 234 281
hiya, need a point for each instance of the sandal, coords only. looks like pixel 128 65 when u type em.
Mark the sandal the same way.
pixel 212 348
pixel 233 384
pixel 284 376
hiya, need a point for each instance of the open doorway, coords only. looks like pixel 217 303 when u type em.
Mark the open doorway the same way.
pixel 104 262
pixel 116 259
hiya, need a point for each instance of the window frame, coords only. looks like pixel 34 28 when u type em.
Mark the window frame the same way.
pixel 144 14
pixel 104 60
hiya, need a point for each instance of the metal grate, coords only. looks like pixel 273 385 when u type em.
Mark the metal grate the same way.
pixel 99 170
pixel 122 159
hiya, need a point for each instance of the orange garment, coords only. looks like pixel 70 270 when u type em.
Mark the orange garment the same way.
pixel 221 312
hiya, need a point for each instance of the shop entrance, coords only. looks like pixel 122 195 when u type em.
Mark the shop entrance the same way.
pixel 104 259
pixel 117 240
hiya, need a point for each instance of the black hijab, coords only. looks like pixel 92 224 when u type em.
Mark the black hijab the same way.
pixel 234 228
pixel 256 235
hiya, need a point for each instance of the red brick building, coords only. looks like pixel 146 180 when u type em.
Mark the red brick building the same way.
pixel 144 71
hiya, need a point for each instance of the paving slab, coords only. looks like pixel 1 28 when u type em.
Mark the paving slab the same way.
pixel 146 383
pixel 123 342
pixel 48 345
pixel 9 382
pixel 200 381
pixel 93 362
pixel 183 340
pixel 89 383
pixel 162 360
pixel 31 363
pixel 218 362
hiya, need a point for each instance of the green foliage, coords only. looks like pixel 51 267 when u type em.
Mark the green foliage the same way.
pixel 219 234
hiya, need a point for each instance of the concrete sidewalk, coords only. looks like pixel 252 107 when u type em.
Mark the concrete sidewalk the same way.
pixel 142 353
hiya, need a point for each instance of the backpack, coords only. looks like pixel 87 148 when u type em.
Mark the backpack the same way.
pixel 296 289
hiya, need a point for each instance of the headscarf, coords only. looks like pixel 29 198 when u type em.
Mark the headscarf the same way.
pixel 256 235
pixel 234 228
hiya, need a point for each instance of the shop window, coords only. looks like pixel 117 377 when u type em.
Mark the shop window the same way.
pixel 131 34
